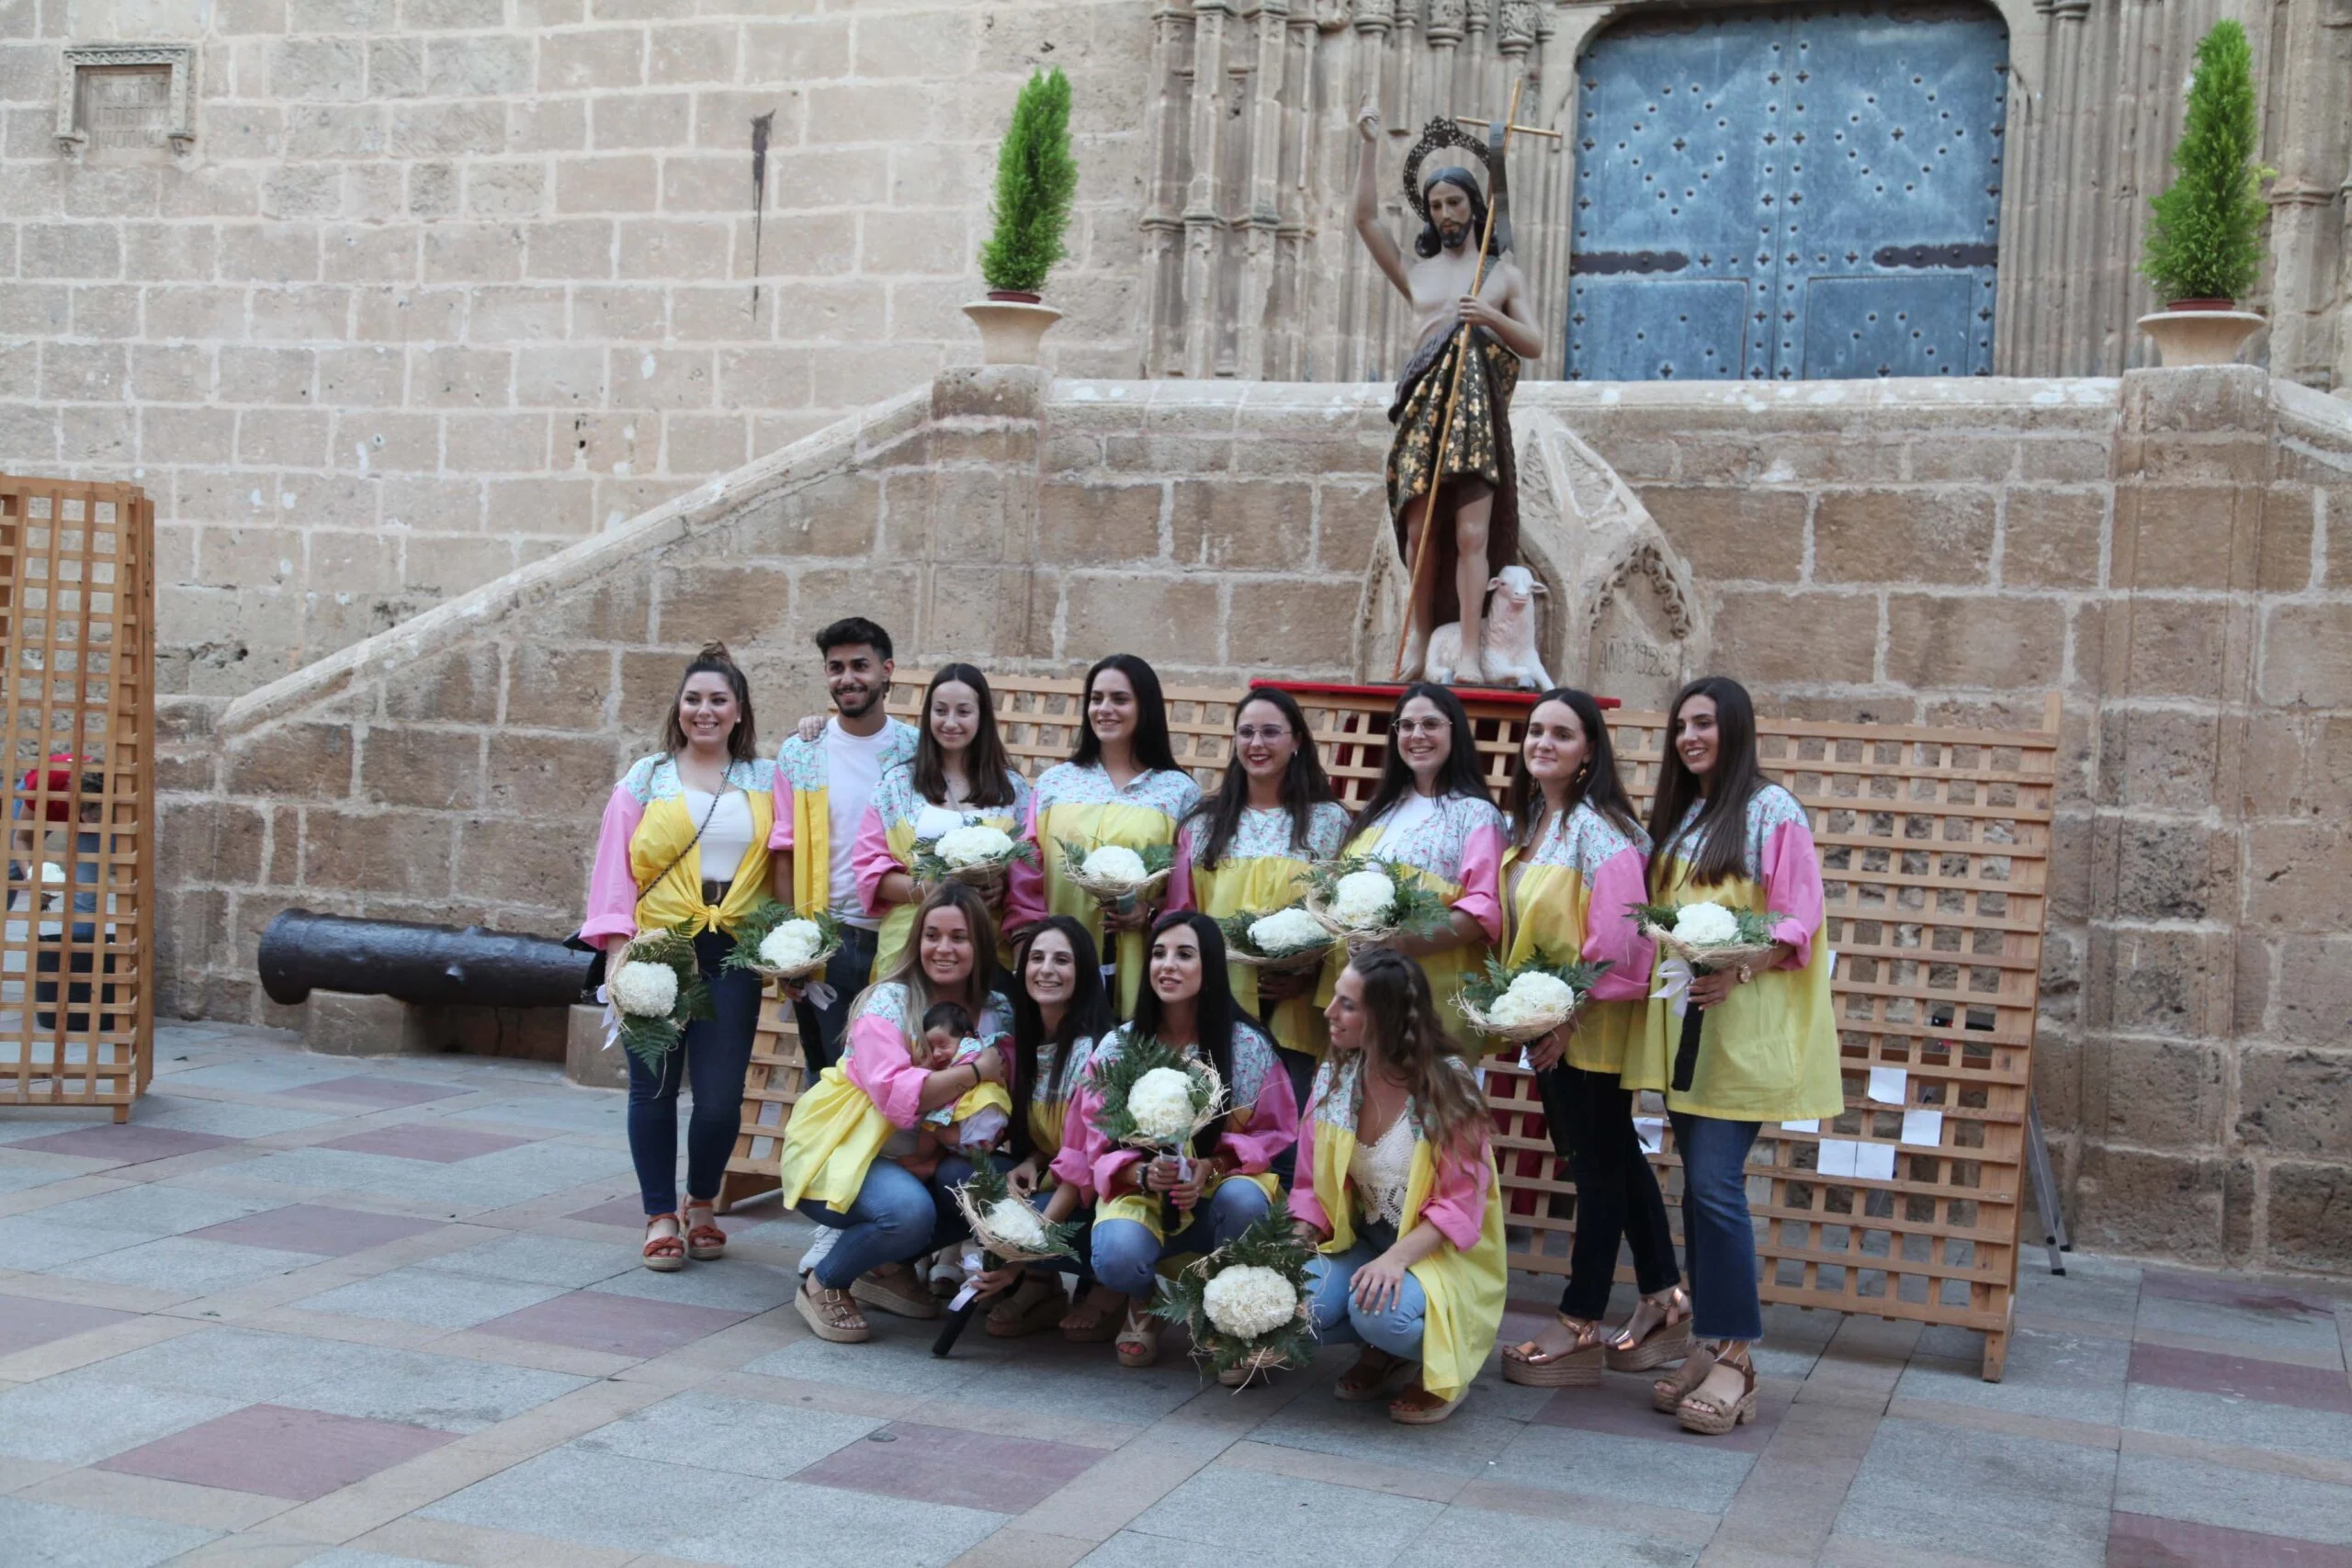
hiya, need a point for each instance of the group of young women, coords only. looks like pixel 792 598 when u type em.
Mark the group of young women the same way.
pixel 1355 1089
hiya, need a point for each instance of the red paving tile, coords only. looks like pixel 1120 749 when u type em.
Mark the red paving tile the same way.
pixel 125 1142
pixel 619 1325
pixel 314 1227
pixel 365 1089
pixel 2241 1377
pixel 279 1452
pixel 427 1141
pixel 2246 1296
pixel 934 1465
pixel 629 1213
pixel 27 1321
pixel 2142 1541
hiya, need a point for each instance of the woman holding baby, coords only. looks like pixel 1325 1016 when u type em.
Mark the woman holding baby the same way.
pixel 846 1151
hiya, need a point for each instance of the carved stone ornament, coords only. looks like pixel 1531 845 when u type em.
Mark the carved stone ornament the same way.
pixel 179 124
pixel 1516 21
pixel 1447 20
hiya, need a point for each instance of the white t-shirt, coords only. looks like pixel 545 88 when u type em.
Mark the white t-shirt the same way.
pixel 727 840
pixel 853 767
pixel 1404 817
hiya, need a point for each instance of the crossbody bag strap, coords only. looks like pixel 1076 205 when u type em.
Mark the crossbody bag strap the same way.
pixel 678 859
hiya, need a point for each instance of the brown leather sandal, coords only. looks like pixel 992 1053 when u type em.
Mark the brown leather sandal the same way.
pixel 1368 1380
pixel 705 1243
pixel 831 1315
pixel 1417 1406
pixel 664 1254
pixel 1668 1339
pixel 1716 1413
pixel 1095 1319
pixel 1667 1393
pixel 1579 1365
pixel 1032 1306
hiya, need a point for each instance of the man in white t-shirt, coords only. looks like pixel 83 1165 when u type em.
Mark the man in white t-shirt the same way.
pixel 832 778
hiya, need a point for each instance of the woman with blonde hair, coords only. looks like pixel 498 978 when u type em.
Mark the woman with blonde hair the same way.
pixel 684 841
pixel 848 1134
pixel 1399 1194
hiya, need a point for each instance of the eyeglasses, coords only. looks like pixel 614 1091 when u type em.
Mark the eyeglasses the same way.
pixel 1421 726
pixel 1250 733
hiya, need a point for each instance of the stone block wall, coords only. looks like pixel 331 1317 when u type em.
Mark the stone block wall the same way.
pixel 443 286
pixel 2157 550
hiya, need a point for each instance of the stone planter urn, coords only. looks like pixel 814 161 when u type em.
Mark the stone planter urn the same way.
pixel 2200 332
pixel 1010 326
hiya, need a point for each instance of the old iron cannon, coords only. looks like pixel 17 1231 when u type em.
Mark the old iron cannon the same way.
pixel 430 965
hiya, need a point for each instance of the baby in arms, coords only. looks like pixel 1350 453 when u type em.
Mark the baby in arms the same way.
pixel 971 1126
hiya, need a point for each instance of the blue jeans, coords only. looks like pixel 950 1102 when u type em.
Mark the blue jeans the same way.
pixel 1339 1320
pixel 847 972
pixel 1126 1257
pixel 712 1058
pixel 897 1215
pixel 1718 1235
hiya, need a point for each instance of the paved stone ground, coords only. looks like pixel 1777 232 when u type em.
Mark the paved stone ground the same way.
pixel 367 1314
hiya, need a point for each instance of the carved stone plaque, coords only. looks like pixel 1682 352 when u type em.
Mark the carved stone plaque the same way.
pixel 124 108
pixel 126 99
pixel 1639 648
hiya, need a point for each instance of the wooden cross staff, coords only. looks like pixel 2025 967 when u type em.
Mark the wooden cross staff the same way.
pixel 1454 390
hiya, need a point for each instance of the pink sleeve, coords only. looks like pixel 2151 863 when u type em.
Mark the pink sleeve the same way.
pixel 870 860
pixel 1108 1161
pixel 1025 887
pixel 1610 932
pixel 612 885
pixel 1272 1125
pixel 780 836
pixel 1457 1199
pixel 1074 1162
pixel 1179 874
pixel 876 1059
pixel 1792 888
pixel 1482 880
pixel 1304 1203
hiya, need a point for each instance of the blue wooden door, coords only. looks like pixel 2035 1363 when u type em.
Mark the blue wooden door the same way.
pixel 1788 193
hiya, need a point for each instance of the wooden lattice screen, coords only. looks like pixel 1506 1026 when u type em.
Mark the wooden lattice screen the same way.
pixel 1934 844
pixel 77 598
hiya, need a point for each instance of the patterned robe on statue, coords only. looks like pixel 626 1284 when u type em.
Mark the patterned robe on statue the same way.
pixel 1478 448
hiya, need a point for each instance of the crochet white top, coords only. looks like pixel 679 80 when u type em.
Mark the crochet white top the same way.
pixel 1379 1171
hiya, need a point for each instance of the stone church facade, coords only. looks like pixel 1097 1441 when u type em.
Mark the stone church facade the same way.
pixel 483 354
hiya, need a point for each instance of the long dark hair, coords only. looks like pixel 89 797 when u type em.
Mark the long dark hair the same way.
pixel 1720 831
pixel 1305 785
pixel 1089 1017
pixel 743 743
pixel 1214 1013
pixel 1597 786
pixel 1460 775
pixel 1407 1037
pixel 1428 243
pixel 984 760
pixel 1151 748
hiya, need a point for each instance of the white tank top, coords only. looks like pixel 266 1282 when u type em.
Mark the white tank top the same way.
pixel 728 839
pixel 1379 1172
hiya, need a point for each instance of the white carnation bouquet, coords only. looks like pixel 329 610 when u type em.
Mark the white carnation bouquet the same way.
pixel 974 854
pixel 1365 901
pixel 651 991
pixel 776 944
pixel 1153 1098
pixel 1245 1304
pixel 1007 1229
pixel 1114 873
pixel 1706 935
pixel 1700 939
pixel 1524 1002
pixel 1284 939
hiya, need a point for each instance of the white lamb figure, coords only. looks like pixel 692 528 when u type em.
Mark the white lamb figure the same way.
pixel 1508 657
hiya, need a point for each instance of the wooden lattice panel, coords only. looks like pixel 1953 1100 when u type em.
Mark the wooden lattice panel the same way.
pixel 77 636
pixel 1934 844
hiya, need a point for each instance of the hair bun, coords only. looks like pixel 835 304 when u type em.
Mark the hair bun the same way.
pixel 717 651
